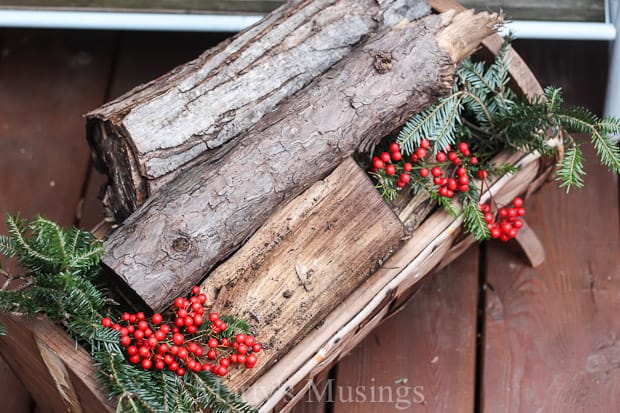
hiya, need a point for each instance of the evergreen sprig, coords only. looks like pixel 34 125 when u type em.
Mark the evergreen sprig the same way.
pixel 490 118
pixel 483 111
pixel 60 282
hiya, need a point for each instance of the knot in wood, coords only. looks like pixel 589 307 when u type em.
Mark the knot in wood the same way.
pixel 383 62
pixel 180 244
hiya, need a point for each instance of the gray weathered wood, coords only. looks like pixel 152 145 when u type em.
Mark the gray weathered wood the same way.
pixel 571 10
pixel 148 136
pixel 183 231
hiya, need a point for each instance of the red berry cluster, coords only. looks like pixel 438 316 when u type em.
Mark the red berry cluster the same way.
pixel 154 344
pixel 448 169
pixel 508 222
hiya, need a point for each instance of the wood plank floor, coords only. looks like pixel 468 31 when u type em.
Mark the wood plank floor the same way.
pixel 487 333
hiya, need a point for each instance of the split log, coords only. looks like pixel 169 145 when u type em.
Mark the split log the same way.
pixel 304 261
pixel 145 138
pixel 203 216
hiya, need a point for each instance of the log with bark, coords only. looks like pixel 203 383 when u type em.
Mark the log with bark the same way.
pixel 204 215
pixel 145 138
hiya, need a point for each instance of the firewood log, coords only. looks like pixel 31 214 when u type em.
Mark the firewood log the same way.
pixel 204 215
pixel 151 134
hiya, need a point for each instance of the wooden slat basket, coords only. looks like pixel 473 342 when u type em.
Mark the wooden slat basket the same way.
pixel 60 374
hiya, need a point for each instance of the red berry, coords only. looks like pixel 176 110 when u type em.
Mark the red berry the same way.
pixel 407 167
pixel 443 191
pixel 394 147
pixel 464 188
pixel 517 223
pixel 182 353
pixel 125 341
pixel 199 351
pixel 174 366
pixel 195 290
pixel 482 174
pixel 165 328
pixel 180 371
pixel 485 208
pixel 397 156
pixel 506 228
pixel 214 317
pixel 461 171
pixel 421 153
pixel 222 371
pixel 224 362
pixel 206 367
pixel 202 298
pixel 252 359
pixel 513 233
pixel 488 217
pixel 463 180
pixel 134 359
pixel 152 341
pixel 404 178
pixel 452 156
pixel 512 212
pixel 157 318
pixel 106 322
pixel 144 352
pixel 213 343
pixel 256 348
pixel 504 238
pixel 390 169
pixel 242 349
pixel 249 341
pixel 495 232
pixel 143 325
pixel 168 359
pixel 239 338
pixel 233 358
pixel 464 148
pixel 163 348
pixel 400 184
pixel 174 350
pixel 132 350
pixel 178 339
pixel 179 302
pixel 441 157
pixel 125 317
pixel 132 318
pixel 159 365
pixel 385 157
pixel 140 316
pixel 521 212
pixel 147 364
pixel 425 143
pixel 518 202
pixel 240 358
pixel 436 171
pixel 211 354
pixel 423 172
pixel 138 334
pixel 473 160
pixel 198 320
pixel 188 321
pixel 452 185
pixel 378 163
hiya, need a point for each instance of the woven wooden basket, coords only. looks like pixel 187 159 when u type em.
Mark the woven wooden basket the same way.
pixel 46 359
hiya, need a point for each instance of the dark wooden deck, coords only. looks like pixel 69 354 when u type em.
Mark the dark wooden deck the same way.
pixel 486 334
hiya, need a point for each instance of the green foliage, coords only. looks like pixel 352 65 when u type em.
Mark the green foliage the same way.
pixel 61 272
pixel 570 169
pixel 141 391
pixel 485 113
pixel 474 221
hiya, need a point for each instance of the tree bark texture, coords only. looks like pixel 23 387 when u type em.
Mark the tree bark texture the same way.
pixel 304 261
pixel 145 138
pixel 203 216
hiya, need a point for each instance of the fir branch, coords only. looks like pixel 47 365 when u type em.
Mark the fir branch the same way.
pixel 437 124
pixel 473 220
pixel 570 169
